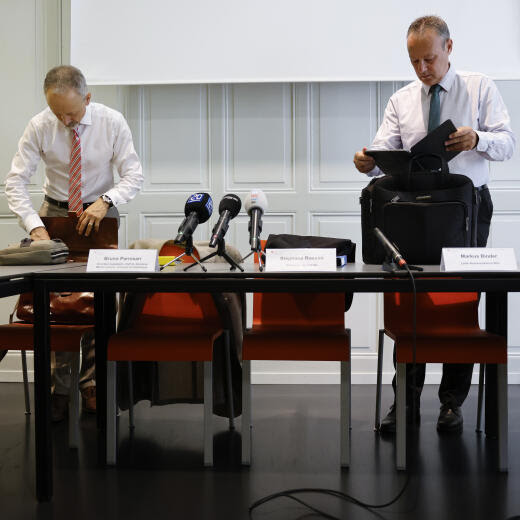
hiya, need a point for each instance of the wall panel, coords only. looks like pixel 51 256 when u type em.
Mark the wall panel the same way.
pixel 260 140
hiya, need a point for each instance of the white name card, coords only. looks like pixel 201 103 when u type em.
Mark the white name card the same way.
pixel 478 259
pixel 122 261
pixel 315 259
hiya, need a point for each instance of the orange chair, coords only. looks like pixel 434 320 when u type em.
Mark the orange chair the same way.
pixel 63 338
pixel 447 331
pixel 297 327
pixel 170 327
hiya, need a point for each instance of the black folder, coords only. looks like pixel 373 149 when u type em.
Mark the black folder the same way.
pixel 397 162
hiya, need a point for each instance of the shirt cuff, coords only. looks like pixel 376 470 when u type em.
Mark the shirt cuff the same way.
pixel 374 172
pixel 114 197
pixel 483 142
pixel 32 221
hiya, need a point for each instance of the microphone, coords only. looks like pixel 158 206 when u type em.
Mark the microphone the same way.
pixel 198 209
pixel 228 208
pixel 255 205
pixel 390 248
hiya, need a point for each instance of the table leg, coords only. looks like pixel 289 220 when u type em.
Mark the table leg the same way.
pixel 496 322
pixel 104 304
pixel 42 393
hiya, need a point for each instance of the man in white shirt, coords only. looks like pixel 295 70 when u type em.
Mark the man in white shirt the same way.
pixel 483 134
pixel 81 143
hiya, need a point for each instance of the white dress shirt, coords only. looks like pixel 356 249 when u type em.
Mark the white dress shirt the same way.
pixel 468 99
pixel 106 145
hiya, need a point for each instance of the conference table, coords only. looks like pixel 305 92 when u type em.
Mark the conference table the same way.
pixel 350 278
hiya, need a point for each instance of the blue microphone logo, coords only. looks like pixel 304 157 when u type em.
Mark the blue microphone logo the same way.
pixel 209 205
pixel 196 197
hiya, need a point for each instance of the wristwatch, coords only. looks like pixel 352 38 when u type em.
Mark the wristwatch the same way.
pixel 107 199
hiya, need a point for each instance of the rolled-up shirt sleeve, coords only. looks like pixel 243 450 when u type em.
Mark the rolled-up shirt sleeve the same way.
pixel 23 167
pixel 127 165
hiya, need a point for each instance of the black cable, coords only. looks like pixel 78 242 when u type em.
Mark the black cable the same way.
pixel 306 504
pixel 339 494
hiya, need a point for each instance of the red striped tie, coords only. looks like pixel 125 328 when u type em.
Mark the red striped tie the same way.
pixel 75 202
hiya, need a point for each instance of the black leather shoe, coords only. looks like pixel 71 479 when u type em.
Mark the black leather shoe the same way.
pixel 388 423
pixel 450 419
pixel 59 407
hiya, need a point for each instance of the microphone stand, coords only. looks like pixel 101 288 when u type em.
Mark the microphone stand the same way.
pixel 188 251
pixel 221 251
pixel 258 251
pixel 390 266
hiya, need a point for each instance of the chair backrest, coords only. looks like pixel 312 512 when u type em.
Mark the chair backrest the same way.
pixel 186 308
pixel 436 312
pixel 298 310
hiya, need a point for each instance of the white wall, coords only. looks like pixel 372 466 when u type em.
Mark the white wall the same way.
pixel 294 141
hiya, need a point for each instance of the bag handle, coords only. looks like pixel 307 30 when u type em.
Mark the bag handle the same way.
pixel 443 171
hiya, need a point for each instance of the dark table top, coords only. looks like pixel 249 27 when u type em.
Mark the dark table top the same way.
pixel 356 277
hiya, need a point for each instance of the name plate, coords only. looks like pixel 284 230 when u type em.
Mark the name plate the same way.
pixel 478 259
pixel 311 259
pixel 122 261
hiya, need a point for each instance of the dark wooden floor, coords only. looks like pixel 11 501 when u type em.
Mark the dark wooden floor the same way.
pixel 295 444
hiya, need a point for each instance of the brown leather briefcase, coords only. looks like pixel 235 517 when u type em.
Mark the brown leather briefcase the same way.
pixel 71 307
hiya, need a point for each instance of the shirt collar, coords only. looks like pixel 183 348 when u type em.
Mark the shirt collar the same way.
pixel 446 82
pixel 87 117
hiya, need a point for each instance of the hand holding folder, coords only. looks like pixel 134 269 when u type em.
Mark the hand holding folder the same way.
pixel 397 162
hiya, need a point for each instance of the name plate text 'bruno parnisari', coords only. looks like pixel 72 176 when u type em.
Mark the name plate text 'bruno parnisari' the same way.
pixel 123 260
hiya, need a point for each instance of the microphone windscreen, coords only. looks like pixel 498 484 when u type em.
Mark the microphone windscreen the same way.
pixel 230 202
pixel 202 204
pixel 255 199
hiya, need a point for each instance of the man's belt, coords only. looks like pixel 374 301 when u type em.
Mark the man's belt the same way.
pixel 63 204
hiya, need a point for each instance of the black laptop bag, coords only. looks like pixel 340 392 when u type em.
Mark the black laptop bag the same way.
pixel 420 212
pixel 343 246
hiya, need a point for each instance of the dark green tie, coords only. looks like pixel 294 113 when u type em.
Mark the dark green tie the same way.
pixel 434 119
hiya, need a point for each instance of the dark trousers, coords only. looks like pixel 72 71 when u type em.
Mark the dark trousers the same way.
pixel 456 377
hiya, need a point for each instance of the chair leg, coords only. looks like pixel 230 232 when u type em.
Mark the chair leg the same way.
pixel 503 440
pixel 345 395
pixel 131 425
pixel 229 381
pixel 74 402
pixel 208 413
pixel 400 426
pixel 111 432
pixel 349 334
pixel 482 375
pixel 246 412
pixel 26 384
pixel 380 347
